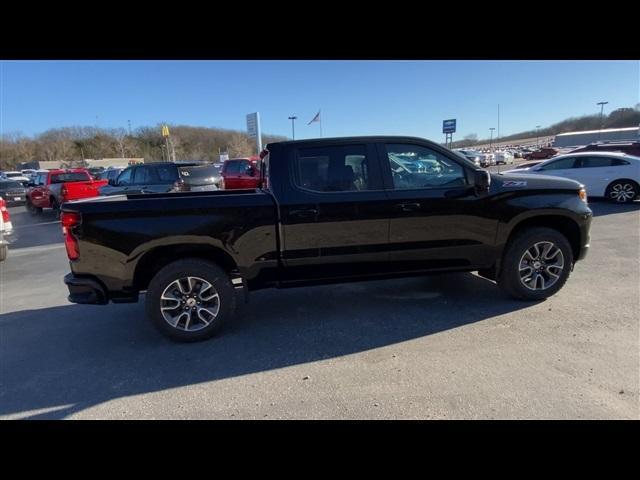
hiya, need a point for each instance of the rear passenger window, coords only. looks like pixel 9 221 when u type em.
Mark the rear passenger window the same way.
pixel 333 169
pixel 595 162
pixel 232 168
pixel 142 176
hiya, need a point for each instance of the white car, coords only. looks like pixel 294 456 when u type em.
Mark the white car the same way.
pixel 503 157
pixel 17 176
pixel 613 175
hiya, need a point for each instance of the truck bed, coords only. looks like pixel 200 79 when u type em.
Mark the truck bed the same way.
pixel 118 234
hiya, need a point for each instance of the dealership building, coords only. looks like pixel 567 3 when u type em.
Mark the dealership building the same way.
pixel 575 139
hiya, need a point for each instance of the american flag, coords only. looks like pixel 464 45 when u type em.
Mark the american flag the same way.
pixel 315 119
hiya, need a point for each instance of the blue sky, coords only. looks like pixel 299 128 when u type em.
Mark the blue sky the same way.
pixel 356 97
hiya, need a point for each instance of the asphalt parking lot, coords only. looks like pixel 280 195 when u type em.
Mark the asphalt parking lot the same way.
pixel 442 347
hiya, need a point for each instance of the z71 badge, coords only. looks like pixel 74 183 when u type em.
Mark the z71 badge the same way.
pixel 513 183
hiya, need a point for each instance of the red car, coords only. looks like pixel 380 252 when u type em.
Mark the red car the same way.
pixel 51 189
pixel 241 173
pixel 542 154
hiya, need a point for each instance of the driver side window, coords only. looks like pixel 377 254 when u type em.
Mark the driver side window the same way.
pixel 417 167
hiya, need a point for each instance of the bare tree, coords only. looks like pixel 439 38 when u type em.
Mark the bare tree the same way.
pixel 120 136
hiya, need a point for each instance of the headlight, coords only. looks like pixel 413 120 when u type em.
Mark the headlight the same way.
pixel 583 195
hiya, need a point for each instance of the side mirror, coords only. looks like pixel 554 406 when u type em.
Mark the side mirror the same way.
pixel 482 180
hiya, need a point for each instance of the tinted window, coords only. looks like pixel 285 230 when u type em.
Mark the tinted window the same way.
pixel 200 172
pixel 414 166
pixel 41 179
pixel 561 164
pixel 594 162
pixel 142 176
pixel 617 162
pixel 70 177
pixel 232 167
pixel 125 177
pixel 166 173
pixel 333 169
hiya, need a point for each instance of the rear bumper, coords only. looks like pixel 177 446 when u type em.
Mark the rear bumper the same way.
pixel 85 290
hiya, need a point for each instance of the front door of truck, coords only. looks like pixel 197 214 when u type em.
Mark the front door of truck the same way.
pixel 436 218
pixel 333 211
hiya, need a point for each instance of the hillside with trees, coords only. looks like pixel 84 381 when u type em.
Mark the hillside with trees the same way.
pixel 76 143
pixel 620 118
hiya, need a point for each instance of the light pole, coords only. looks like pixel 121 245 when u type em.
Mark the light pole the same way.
pixel 602 104
pixel 491 139
pixel 537 136
pixel 293 127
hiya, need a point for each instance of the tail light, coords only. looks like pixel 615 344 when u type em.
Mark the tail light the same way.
pixel 69 220
pixel 3 209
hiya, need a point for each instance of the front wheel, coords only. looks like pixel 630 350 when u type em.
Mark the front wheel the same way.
pixel 32 209
pixel 622 191
pixel 190 300
pixel 536 264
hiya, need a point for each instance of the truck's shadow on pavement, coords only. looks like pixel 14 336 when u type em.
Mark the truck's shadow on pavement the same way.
pixel 69 358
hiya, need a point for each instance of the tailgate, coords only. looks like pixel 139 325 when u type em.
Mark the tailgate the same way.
pixel 77 190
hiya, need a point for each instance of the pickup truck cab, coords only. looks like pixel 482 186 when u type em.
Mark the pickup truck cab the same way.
pixel 326 211
pixel 52 188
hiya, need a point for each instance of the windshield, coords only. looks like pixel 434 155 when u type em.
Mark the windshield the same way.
pixel 10 185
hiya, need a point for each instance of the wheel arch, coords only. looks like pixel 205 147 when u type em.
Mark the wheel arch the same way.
pixel 564 224
pixel 155 259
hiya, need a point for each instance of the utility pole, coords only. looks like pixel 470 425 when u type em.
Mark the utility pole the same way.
pixel 293 127
pixel 129 122
pixel 491 139
pixel 602 104
pixel 498 137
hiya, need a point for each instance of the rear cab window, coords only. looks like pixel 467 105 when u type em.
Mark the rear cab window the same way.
pixel 70 177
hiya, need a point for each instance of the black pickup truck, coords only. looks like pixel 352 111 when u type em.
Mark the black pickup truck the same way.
pixel 327 211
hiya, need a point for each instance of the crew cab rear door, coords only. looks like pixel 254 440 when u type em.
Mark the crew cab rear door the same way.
pixel 436 218
pixel 333 210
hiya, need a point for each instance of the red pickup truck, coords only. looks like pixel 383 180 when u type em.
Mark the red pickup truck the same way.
pixel 241 173
pixel 51 189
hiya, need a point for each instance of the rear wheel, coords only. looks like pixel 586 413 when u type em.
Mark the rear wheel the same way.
pixel 56 208
pixel 622 191
pixel 536 264
pixel 190 300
